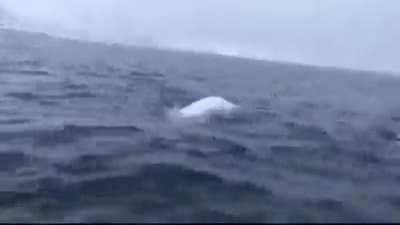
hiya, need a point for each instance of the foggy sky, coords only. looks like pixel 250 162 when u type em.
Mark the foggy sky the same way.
pixel 360 34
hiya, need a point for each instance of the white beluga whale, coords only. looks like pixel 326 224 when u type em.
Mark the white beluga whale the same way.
pixel 206 107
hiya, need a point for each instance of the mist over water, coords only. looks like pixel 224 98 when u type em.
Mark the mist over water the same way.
pixel 359 34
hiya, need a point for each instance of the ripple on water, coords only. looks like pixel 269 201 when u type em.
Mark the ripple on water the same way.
pixel 159 191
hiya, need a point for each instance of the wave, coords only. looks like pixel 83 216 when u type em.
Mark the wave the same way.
pixel 69 133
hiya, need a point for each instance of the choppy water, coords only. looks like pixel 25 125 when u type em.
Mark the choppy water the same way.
pixel 84 137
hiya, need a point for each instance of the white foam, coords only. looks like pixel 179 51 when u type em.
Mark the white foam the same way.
pixel 207 106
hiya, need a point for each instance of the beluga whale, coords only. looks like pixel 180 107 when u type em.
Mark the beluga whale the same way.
pixel 206 107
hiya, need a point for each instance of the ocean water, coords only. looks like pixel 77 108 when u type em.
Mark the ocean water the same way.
pixel 85 137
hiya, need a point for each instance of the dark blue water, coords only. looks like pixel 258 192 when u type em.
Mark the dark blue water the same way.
pixel 85 137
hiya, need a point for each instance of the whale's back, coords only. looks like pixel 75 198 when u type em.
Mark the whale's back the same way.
pixel 207 106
